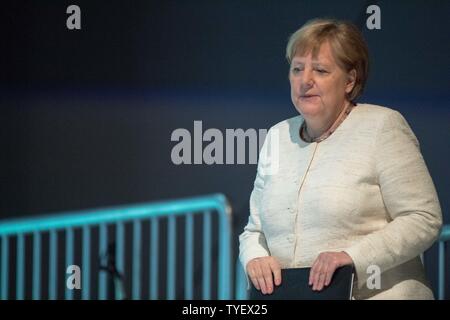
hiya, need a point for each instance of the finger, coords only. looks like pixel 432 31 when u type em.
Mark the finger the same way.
pixel 322 277
pixel 276 270
pixel 316 276
pixel 319 281
pixel 268 278
pixel 262 285
pixel 260 278
pixel 253 278
pixel 252 274
pixel 315 269
pixel 255 283
pixel 330 275
pixel 312 272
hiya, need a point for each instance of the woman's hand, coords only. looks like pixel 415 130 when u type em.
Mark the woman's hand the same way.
pixel 260 271
pixel 324 267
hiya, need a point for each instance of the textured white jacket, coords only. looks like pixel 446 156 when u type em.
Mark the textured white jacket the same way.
pixel 364 190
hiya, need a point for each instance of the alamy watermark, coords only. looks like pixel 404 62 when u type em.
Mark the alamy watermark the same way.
pixel 74 277
pixel 190 150
pixel 73 21
pixel 233 146
pixel 374 280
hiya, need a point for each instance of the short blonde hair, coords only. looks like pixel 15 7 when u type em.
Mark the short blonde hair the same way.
pixel 347 44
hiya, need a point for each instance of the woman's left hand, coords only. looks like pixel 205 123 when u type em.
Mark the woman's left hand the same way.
pixel 324 267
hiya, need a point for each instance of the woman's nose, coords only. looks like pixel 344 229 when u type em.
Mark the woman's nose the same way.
pixel 307 80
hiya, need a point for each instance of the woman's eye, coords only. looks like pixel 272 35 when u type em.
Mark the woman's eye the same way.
pixel 321 71
pixel 296 70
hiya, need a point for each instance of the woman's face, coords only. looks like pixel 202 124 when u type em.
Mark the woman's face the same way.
pixel 319 85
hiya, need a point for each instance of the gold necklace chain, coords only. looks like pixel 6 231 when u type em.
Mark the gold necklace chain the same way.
pixel 306 137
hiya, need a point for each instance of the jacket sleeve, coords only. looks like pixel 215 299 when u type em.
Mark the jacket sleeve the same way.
pixel 252 242
pixel 410 199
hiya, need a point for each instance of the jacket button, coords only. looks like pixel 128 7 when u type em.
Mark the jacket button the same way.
pixel 290 238
pixel 291 210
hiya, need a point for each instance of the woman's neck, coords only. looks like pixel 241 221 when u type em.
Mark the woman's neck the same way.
pixel 316 129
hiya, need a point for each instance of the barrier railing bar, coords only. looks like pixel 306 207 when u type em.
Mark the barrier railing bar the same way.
pixel 36 266
pixel 20 267
pixel 206 256
pixel 136 259
pixel 171 258
pixel 52 268
pixel 154 258
pixel 189 260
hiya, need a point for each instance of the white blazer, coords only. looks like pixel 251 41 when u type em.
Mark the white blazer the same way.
pixel 364 190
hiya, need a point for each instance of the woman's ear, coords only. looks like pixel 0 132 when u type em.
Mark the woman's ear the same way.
pixel 351 81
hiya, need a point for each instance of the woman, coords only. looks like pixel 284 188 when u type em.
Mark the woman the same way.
pixel 350 186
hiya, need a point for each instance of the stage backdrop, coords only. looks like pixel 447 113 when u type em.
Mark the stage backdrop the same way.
pixel 87 115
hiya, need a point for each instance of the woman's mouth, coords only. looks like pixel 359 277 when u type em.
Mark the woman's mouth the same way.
pixel 308 97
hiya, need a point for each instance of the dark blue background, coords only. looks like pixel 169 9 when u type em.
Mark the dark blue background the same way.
pixel 86 116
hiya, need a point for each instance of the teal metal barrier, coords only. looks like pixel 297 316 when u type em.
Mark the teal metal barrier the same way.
pixel 240 287
pixel 118 216
pixel 241 278
pixel 444 237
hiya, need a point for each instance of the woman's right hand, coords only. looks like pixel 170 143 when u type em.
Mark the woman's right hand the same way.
pixel 263 272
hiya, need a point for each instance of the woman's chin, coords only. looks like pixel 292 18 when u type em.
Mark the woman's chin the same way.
pixel 308 109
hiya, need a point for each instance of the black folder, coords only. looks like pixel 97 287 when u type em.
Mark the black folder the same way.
pixel 295 286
